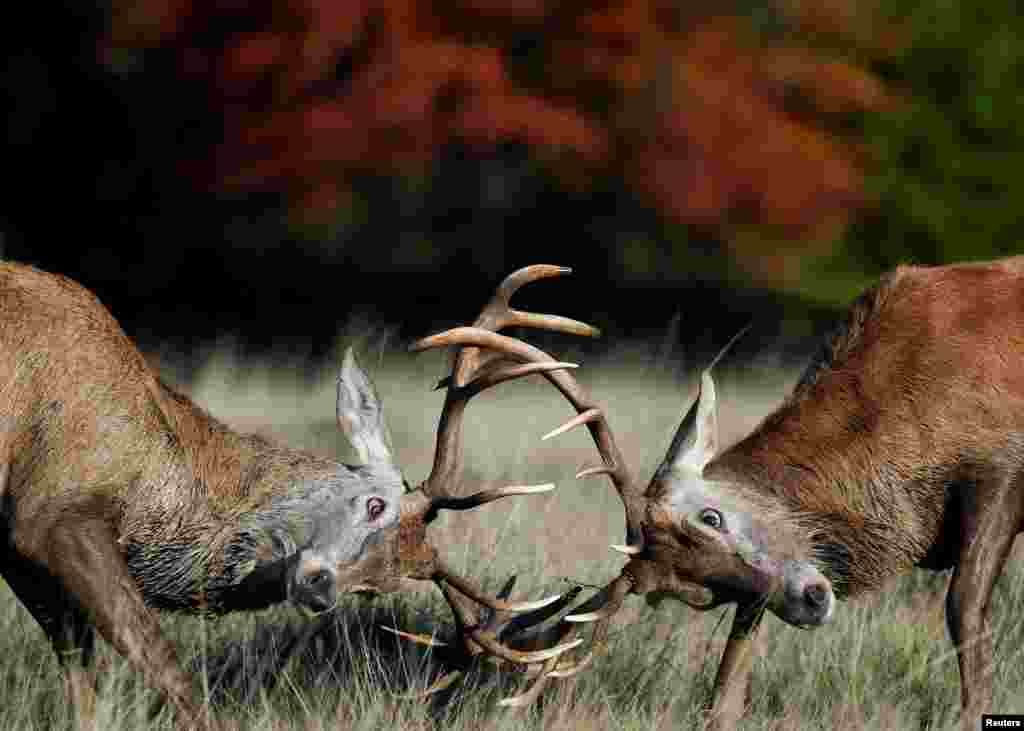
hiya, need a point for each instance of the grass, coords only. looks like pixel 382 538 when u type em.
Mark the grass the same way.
pixel 886 663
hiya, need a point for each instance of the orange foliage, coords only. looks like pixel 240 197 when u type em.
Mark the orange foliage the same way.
pixel 714 126
pixel 735 149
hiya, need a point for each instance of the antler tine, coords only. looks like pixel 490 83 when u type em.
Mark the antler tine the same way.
pixel 474 370
pixel 533 692
pixel 498 314
pixel 470 363
pixel 500 624
pixel 528 626
pixel 590 414
pixel 507 371
pixel 605 603
pixel 419 639
pixel 448 449
pixel 483 635
pixel 469 502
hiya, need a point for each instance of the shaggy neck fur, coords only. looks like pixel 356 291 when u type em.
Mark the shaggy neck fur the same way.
pixel 251 507
pixel 847 461
pixel 848 525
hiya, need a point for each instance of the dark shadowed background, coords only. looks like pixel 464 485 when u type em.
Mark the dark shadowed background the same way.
pixel 274 168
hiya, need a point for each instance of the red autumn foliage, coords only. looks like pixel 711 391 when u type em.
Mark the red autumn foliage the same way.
pixel 715 126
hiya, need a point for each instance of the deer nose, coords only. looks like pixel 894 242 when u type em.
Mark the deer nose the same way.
pixel 314 588
pixel 819 602
pixel 807 598
pixel 816 596
pixel 316 579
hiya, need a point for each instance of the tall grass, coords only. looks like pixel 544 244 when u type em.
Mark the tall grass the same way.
pixel 886 663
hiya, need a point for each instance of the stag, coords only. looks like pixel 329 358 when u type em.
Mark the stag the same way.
pixel 120 495
pixel 901 445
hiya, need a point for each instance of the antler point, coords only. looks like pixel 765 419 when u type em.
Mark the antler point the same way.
pixel 626 549
pixel 413 637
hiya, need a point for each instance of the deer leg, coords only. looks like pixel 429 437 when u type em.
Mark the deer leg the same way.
pixel 990 519
pixel 74 641
pixel 732 682
pixel 83 555
pixel 71 635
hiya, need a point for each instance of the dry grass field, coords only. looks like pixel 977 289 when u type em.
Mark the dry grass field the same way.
pixel 885 663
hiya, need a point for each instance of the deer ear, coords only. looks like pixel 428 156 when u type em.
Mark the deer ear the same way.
pixel 360 415
pixel 696 440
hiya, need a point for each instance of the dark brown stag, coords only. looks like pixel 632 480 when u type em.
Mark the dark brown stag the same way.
pixel 902 445
pixel 120 495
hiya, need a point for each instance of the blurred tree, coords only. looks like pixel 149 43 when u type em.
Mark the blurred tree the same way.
pixel 733 120
pixel 814 142
pixel 946 160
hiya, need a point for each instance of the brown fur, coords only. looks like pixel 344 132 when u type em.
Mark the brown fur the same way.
pixel 120 491
pixel 915 394
pixel 903 445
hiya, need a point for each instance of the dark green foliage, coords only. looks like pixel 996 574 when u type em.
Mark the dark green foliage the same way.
pixel 947 163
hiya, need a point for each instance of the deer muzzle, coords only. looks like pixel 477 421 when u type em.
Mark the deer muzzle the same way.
pixel 806 598
pixel 314 586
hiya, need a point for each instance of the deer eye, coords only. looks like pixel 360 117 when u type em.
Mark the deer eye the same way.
pixel 712 518
pixel 374 507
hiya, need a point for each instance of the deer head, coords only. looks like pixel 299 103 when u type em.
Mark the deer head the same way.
pixel 705 527
pixel 378 534
pixel 688 536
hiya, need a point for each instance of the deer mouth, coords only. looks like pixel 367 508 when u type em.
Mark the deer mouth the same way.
pixel 312 586
pixel 695 596
pixel 658 583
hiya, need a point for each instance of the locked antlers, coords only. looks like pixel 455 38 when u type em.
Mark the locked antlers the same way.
pixel 479 365
pixel 492 357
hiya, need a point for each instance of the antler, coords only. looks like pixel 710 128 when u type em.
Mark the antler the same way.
pixel 493 623
pixel 614 466
pixel 474 371
pixel 489 371
pixel 640 574
pixel 603 605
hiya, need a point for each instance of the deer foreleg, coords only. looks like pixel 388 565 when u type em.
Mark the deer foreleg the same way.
pixel 990 519
pixel 83 555
pixel 68 628
pixel 729 696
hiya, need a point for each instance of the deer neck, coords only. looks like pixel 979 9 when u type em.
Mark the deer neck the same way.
pixel 251 507
pixel 226 559
pixel 860 518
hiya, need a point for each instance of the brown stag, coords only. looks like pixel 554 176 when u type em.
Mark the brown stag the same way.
pixel 902 445
pixel 120 495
